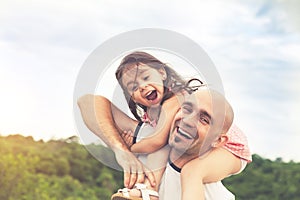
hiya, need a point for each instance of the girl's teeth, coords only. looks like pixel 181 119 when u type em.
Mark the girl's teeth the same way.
pixel 148 93
pixel 152 95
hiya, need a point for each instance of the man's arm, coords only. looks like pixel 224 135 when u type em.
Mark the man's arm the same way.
pixel 96 112
pixel 101 117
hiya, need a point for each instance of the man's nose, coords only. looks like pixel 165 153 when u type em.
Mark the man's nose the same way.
pixel 190 121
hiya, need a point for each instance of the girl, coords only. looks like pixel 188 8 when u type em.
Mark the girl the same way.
pixel 153 92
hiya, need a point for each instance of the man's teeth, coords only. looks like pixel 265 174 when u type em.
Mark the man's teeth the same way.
pixel 184 134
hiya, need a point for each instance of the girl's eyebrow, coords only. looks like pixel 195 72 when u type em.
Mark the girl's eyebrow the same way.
pixel 141 71
pixel 130 83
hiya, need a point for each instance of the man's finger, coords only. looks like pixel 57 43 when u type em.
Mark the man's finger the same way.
pixel 140 177
pixel 133 177
pixel 126 179
pixel 141 173
pixel 149 174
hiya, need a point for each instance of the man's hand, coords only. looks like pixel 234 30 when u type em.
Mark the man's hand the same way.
pixel 134 170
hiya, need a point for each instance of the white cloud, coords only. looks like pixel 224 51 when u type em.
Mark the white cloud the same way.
pixel 291 14
pixel 253 44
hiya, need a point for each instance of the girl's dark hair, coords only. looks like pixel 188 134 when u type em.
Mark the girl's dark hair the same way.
pixel 173 83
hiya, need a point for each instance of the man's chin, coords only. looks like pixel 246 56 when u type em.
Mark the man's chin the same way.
pixel 180 145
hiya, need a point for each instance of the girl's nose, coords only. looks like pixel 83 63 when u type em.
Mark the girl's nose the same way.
pixel 142 87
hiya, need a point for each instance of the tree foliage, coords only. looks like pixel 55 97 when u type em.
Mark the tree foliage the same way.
pixel 266 179
pixel 64 170
pixel 53 170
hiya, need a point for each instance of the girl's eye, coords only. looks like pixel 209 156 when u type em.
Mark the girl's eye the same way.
pixel 133 88
pixel 146 78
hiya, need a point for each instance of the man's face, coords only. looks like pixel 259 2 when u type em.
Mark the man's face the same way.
pixel 196 124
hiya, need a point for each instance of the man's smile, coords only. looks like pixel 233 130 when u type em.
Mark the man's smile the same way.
pixel 184 133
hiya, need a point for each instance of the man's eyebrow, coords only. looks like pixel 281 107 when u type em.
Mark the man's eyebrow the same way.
pixel 187 103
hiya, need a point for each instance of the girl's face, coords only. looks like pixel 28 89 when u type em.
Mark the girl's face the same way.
pixel 145 84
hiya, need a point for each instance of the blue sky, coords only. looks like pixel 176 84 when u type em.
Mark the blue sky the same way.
pixel 254 44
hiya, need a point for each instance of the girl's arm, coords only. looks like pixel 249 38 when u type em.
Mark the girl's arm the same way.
pixel 215 166
pixel 160 137
pixel 105 120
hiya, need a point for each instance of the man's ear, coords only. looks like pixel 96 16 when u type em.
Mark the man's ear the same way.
pixel 220 141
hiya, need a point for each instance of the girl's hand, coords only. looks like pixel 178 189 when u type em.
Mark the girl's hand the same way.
pixel 128 138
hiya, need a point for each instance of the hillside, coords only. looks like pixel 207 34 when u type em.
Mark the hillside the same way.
pixel 63 169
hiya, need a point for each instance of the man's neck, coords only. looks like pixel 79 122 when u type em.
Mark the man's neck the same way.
pixel 179 159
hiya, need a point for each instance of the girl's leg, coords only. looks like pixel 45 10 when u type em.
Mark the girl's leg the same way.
pixel 215 166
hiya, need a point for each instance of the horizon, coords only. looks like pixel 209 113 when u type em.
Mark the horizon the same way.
pixel 79 142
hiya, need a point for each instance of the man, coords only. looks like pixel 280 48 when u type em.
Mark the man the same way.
pixel 199 126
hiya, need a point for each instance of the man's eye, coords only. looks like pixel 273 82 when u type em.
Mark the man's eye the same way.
pixel 186 109
pixel 204 120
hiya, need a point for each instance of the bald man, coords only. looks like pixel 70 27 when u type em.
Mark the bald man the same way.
pixel 200 125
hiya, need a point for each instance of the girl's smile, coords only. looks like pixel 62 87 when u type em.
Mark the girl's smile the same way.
pixel 151 95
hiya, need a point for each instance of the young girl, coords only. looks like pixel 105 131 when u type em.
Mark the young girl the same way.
pixel 153 92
